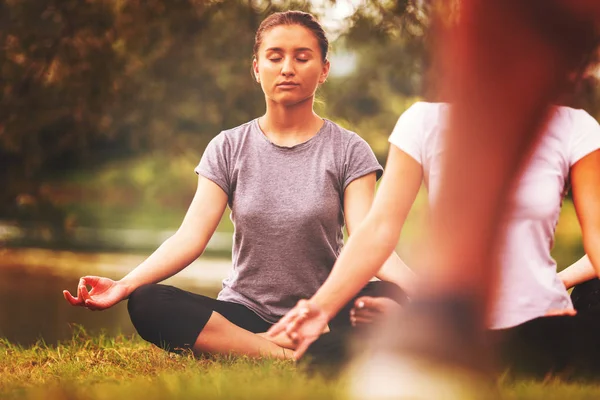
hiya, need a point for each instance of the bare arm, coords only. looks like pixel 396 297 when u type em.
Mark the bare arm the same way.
pixel 373 242
pixel 580 271
pixel 358 199
pixel 188 243
pixel 172 256
pixel 585 181
pixel 395 270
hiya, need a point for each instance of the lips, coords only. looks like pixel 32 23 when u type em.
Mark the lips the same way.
pixel 287 84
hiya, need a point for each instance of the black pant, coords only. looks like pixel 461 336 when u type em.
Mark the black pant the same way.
pixel 568 346
pixel 562 345
pixel 172 318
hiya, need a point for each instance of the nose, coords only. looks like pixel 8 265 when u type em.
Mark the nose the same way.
pixel 287 67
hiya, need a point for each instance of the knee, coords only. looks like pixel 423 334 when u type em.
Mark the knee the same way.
pixel 144 305
pixel 143 300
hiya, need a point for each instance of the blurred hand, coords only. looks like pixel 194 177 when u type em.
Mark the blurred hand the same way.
pixel 303 325
pixel 105 293
pixel 370 309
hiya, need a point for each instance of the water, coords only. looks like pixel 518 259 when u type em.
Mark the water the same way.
pixel 32 305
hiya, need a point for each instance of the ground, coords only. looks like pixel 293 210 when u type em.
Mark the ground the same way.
pixel 104 367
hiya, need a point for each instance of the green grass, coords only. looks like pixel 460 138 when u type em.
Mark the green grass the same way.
pixel 105 367
pixel 122 367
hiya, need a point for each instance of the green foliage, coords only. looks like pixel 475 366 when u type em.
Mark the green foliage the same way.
pixel 96 83
pixel 87 82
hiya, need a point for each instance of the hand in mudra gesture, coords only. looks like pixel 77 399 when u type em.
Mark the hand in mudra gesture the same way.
pixel 104 293
pixel 303 325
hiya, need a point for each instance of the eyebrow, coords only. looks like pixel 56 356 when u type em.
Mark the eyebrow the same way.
pixel 296 49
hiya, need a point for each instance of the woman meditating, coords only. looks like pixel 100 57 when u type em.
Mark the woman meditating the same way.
pixel 293 180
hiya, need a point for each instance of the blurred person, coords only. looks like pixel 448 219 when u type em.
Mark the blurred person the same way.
pixel 504 63
pixel 292 180
pixel 534 325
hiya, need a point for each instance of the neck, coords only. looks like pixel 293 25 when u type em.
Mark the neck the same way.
pixel 297 120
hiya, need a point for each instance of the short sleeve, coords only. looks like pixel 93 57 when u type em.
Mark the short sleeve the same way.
pixel 407 134
pixel 214 164
pixel 585 137
pixel 359 161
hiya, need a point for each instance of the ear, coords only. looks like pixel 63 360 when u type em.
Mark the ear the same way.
pixel 325 72
pixel 255 70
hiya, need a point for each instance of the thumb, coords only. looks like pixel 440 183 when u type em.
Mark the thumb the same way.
pixel 367 303
pixel 72 300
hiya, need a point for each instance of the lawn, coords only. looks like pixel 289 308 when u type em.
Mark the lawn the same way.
pixel 103 367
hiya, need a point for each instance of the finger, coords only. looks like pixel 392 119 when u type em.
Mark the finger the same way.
pixel 367 314
pixel 294 326
pixel 302 347
pixel 356 321
pixel 276 329
pixel 299 312
pixel 359 303
pixel 85 296
pixel 74 301
pixel 80 286
pixel 92 305
pixel 364 302
pixel 371 303
pixel 91 280
pixel 282 324
pixel 363 321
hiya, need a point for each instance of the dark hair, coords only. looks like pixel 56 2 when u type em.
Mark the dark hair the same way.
pixel 293 18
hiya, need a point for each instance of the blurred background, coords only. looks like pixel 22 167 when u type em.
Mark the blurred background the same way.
pixel 106 107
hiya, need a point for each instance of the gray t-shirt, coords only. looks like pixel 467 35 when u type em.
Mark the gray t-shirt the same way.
pixel 287 209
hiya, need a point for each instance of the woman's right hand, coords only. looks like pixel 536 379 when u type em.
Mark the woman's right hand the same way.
pixel 303 324
pixel 368 310
pixel 105 293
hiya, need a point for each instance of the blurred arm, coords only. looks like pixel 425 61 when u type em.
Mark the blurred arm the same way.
pixel 188 243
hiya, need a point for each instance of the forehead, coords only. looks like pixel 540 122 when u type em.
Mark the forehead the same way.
pixel 289 37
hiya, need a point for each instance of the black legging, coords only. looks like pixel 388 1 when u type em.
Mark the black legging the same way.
pixel 172 318
pixel 564 345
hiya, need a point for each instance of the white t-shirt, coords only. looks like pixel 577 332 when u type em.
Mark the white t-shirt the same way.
pixel 529 285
